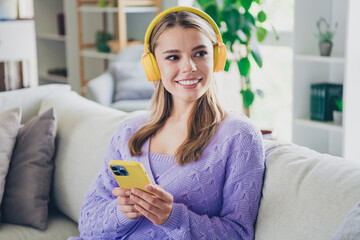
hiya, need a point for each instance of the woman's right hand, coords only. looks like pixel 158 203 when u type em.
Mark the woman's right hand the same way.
pixel 126 205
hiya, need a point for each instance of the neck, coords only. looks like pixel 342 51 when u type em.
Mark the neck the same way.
pixel 181 110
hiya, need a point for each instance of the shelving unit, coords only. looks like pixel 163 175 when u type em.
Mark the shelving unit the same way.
pixel 340 67
pixel 51 47
pixel 120 25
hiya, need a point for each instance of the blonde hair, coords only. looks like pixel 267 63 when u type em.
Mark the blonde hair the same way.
pixel 207 113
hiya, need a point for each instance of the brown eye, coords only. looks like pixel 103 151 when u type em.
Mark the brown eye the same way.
pixel 201 54
pixel 172 58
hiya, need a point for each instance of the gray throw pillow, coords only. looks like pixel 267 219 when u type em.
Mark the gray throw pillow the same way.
pixel 350 227
pixel 130 81
pixel 28 182
pixel 9 126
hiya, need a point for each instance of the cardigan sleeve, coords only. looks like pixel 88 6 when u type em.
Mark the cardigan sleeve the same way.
pixel 241 197
pixel 100 216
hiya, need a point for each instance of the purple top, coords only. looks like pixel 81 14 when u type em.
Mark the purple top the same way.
pixel 160 163
pixel 216 197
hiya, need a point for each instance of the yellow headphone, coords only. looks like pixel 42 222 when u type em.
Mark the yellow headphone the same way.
pixel 148 59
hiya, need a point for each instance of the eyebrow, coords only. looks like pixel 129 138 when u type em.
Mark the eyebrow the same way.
pixel 177 51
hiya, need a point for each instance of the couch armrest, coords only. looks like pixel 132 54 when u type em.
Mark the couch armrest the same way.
pixel 101 89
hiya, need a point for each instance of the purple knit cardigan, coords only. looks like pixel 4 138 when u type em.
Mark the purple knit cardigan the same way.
pixel 216 197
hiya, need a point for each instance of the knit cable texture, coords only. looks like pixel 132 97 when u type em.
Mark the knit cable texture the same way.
pixel 216 197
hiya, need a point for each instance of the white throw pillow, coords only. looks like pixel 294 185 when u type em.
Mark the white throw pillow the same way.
pixel 9 127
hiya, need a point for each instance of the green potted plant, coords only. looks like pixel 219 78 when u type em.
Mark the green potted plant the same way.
pixel 101 40
pixel 239 26
pixel 325 35
pixel 337 112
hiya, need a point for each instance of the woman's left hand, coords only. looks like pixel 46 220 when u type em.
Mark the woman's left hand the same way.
pixel 157 208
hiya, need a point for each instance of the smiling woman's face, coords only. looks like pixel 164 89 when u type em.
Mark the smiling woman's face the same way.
pixel 185 58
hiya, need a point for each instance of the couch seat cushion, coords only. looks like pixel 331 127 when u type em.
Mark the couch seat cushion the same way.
pixel 60 227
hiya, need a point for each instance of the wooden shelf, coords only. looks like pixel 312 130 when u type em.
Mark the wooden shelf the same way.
pixel 132 9
pixel 315 58
pixel 53 78
pixel 93 53
pixel 331 126
pixel 120 27
pixel 51 36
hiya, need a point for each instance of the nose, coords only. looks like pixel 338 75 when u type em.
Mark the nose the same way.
pixel 188 65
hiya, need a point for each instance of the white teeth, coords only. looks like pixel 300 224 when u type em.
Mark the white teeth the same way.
pixel 189 82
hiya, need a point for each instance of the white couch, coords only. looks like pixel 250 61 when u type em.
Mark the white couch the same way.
pixel 306 195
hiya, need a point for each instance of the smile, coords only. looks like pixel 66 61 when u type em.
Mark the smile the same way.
pixel 189 82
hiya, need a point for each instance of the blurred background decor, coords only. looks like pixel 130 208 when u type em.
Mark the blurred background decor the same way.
pixel 337 112
pixel 325 36
pixel 101 39
pixel 17 45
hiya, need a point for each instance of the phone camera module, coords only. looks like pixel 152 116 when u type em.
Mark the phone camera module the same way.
pixel 119 170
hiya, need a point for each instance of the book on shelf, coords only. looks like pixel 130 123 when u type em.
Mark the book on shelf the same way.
pixel 322 100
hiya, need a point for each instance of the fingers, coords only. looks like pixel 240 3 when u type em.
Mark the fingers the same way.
pixel 120 192
pixel 160 192
pixel 128 209
pixel 133 215
pixel 152 217
pixel 149 203
pixel 156 208
pixel 126 205
pixel 124 201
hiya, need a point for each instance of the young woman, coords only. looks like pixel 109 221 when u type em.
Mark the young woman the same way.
pixel 207 165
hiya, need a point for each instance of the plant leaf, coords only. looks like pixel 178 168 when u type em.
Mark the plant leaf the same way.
pixel 244 66
pixel 228 37
pixel 246 4
pixel 261 33
pixel 227 65
pixel 248 97
pixel 247 31
pixel 261 16
pixel 256 55
pixel 213 11
pixel 228 3
pixel 202 3
pixel 232 19
pixel 249 18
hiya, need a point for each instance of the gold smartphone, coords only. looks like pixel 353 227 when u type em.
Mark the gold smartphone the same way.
pixel 129 174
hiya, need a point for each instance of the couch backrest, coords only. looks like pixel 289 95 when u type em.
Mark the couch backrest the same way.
pixel 306 195
pixel 84 132
pixel 29 99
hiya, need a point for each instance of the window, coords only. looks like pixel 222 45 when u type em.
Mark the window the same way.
pixel 273 111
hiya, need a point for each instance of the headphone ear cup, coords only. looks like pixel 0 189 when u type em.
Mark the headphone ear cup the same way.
pixel 219 57
pixel 150 67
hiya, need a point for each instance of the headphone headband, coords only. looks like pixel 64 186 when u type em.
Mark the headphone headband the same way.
pixel 178 9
